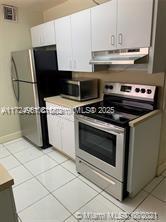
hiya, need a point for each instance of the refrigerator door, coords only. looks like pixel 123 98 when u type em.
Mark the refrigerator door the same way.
pixel 24 65
pixel 30 123
pixel 14 78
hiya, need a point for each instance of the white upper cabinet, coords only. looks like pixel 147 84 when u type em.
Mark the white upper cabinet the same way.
pixel 43 35
pixel 104 18
pixel 73 39
pixel 81 41
pixel 122 24
pixel 64 43
pixel 134 23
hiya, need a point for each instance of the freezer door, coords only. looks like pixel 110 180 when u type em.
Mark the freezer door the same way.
pixel 30 123
pixel 24 65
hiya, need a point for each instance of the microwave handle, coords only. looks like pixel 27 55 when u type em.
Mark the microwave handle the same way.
pixel 99 125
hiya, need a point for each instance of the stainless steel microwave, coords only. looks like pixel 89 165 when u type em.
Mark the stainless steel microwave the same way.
pixel 80 89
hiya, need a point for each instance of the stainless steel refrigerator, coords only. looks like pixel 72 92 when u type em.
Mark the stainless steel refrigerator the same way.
pixel 35 76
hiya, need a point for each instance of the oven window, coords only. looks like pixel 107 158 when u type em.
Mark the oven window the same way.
pixel 71 90
pixel 98 143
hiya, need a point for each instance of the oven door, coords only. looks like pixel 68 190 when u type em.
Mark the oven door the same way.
pixel 101 145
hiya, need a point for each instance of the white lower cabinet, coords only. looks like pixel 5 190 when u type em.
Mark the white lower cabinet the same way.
pixel 68 137
pixel 54 130
pixel 61 130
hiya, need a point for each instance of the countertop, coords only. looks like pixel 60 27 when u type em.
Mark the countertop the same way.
pixel 144 118
pixel 6 180
pixel 58 100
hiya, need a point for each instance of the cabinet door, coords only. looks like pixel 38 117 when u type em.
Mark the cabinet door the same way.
pixel 48 34
pixel 104 20
pixel 134 23
pixel 63 43
pixel 81 41
pixel 68 138
pixel 54 131
pixel 36 35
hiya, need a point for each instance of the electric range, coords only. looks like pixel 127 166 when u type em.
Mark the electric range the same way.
pixel 102 134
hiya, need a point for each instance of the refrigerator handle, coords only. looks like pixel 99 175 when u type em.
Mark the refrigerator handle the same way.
pixel 17 95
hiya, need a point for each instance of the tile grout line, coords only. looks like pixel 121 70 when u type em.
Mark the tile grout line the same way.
pixel 155 185
pixel 98 193
pixel 158 198
pixel 33 177
pixel 62 185
pixel 151 193
pixel 51 192
pixel 11 154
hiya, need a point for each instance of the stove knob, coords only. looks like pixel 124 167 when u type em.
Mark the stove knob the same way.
pixel 137 90
pixel 149 91
pixel 107 87
pixel 111 87
pixel 143 91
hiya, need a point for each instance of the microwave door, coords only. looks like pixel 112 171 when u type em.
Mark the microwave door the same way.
pixel 70 90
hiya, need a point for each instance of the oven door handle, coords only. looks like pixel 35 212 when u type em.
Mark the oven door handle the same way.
pixel 99 125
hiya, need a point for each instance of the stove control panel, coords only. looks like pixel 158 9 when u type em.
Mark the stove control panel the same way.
pixel 142 92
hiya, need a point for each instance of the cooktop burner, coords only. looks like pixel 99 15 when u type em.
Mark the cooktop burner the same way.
pixel 122 103
pixel 106 113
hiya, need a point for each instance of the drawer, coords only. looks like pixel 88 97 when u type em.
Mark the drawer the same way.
pixel 104 181
pixel 61 111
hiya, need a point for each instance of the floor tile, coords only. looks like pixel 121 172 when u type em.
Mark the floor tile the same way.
pixel 28 155
pixel 3 151
pixel 18 145
pixel 71 219
pixel 40 165
pixel 48 150
pixel 57 156
pixel 28 193
pixel 151 204
pixel 153 184
pixel 46 210
pixel 160 191
pixel 100 206
pixel 98 189
pixel 75 194
pixel 9 162
pixel 20 175
pixel 129 204
pixel 71 166
pixel 55 178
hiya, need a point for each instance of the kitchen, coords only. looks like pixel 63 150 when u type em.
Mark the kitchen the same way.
pixel 57 178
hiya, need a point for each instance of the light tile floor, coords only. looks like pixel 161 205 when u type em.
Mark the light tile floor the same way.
pixel 49 189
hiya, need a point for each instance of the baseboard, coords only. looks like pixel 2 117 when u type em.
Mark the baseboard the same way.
pixel 161 168
pixel 10 137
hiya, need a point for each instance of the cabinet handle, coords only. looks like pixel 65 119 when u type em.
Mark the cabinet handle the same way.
pixel 112 40
pixel 120 39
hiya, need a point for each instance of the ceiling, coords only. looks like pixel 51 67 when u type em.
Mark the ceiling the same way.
pixel 35 4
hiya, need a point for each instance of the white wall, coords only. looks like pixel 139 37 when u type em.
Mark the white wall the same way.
pixel 13 36
pixel 68 7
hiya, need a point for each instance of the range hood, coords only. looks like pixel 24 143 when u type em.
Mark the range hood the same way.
pixel 120 57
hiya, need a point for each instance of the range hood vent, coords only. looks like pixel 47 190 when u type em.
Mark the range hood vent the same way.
pixel 120 57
